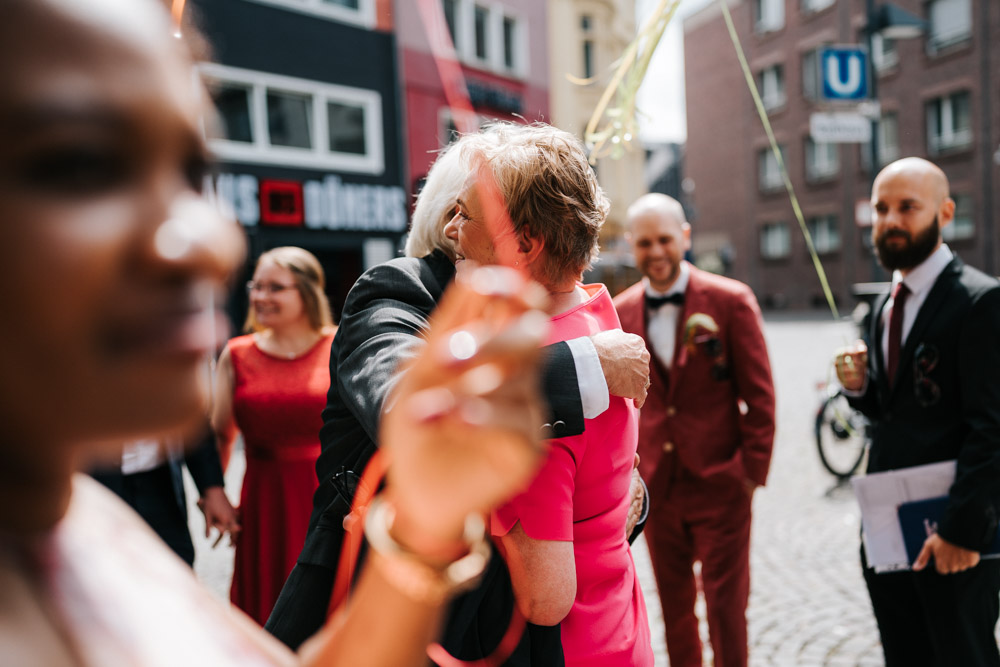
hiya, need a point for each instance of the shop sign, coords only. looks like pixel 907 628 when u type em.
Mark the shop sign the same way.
pixel 315 204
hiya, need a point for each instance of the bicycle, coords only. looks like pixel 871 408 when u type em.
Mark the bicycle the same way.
pixel 842 435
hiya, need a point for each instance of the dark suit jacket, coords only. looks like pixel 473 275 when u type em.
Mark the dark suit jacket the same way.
pixel 960 323
pixel 693 419
pixel 202 462
pixel 383 321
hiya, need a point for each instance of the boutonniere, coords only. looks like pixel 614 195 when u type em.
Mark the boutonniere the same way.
pixel 698 330
pixel 701 331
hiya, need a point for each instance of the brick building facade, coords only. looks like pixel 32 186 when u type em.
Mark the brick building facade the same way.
pixel 940 99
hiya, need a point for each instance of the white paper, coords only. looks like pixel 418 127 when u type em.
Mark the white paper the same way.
pixel 880 494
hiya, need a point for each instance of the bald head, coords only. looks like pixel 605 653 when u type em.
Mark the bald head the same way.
pixel 919 174
pixel 659 236
pixel 656 205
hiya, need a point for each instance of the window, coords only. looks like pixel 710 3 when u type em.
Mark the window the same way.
pixel 888 138
pixel 963 226
pixel 771 82
pixel 357 12
pixel 586 27
pixel 588 58
pixel 950 23
pixel 949 126
pixel 810 6
pixel 233 104
pixel 768 15
pixel 509 42
pixel 448 130
pixel 769 175
pixel 346 123
pixel 775 241
pixel 888 142
pixel 289 121
pixel 271 119
pixel 487 35
pixel 481 16
pixel 825 233
pixel 810 74
pixel 450 17
pixel 884 54
pixel 822 160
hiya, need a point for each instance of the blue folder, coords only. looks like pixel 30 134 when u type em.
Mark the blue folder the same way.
pixel 919 519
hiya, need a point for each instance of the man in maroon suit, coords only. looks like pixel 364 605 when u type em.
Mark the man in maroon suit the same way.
pixel 705 432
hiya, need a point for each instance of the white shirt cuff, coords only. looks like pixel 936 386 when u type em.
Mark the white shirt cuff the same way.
pixel 593 387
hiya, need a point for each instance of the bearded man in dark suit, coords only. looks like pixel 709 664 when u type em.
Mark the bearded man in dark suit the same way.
pixel 932 390
pixel 382 325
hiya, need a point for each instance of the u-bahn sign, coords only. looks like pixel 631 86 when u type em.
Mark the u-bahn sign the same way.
pixel 844 73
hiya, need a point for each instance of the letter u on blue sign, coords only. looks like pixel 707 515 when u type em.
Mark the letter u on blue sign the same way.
pixel 845 74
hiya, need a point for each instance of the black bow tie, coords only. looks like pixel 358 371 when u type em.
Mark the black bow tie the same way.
pixel 654 302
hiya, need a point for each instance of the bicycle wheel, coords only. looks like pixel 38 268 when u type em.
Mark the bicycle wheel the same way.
pixel 841 436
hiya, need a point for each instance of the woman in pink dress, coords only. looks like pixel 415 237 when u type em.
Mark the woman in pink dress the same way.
pixel 533 202
pixel 271 387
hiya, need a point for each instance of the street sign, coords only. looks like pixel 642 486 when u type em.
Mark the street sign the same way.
pixel 844 72
pixel 839 128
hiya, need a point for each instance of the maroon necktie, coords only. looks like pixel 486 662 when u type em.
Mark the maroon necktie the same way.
pixel 899 294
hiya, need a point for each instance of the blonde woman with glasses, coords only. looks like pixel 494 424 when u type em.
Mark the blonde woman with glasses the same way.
pixel 271 386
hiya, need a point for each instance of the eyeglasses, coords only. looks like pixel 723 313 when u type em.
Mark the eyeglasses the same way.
pixel 267 288
pixel 926 391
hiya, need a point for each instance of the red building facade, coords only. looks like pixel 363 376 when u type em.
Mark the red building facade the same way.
pixel 501 47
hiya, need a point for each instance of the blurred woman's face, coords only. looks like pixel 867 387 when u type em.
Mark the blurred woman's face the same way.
pixel 274 296
pixel 112 264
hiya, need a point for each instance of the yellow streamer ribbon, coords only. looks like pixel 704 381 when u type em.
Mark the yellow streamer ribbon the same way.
pixel 629 74
pixel 752 85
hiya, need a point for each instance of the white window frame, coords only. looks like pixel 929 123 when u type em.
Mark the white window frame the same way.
pixel 813 6
pixel 446 118
pixel 825 233
pixel 961 9
pixel 822 160
pixel 775 240
pixel 772 15
pixel 778 97
pixel 811 77
pixel 465 38
pixel 950 138
pixel 885 54
pixel 363 16
pixel 888 152
pixel 963 226
pixel 768 178
pixel 260 150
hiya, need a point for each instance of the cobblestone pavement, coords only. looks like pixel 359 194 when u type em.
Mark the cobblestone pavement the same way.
pixel 808 605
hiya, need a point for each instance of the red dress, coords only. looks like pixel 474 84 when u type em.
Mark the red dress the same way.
pixel 277 404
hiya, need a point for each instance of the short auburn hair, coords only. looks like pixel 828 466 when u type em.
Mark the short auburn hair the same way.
pixel 549 188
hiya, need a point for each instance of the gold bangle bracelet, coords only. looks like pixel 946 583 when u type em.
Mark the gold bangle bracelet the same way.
pixel 411 574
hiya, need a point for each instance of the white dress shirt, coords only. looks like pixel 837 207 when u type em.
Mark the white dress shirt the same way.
pixel 141 456
pixel 662 322
pixel 589 374
pixel 919 281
